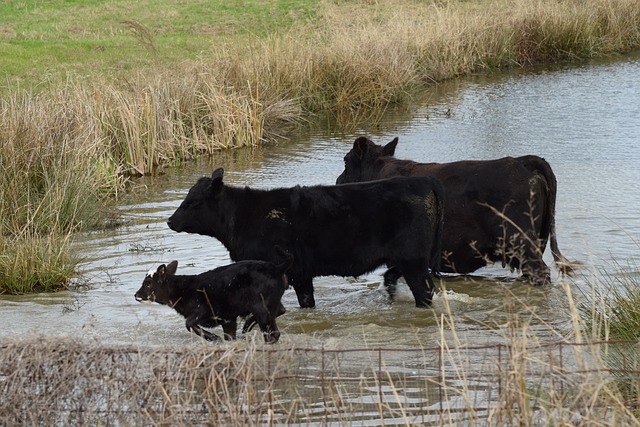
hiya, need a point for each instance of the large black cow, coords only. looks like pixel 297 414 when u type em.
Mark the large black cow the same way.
pixel 495 210
pixel 341 230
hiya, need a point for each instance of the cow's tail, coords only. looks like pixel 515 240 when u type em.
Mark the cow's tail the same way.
pixel 287 260
pixel 436 255
pixel 549 218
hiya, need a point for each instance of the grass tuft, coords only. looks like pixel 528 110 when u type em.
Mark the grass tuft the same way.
pixel 612 313
pixel 32 262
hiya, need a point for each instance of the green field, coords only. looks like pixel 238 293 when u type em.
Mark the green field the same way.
pixel 41 39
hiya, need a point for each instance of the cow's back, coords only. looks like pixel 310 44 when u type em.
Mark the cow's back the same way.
pixel 351 228
pixel 486 202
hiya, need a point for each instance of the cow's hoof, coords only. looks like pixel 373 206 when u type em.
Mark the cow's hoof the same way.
pixel 307 302
pixel 423 304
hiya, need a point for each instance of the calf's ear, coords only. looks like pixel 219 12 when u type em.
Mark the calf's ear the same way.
pixel 390 148
pixel 161 273
pixel 217 174
pixel 172 267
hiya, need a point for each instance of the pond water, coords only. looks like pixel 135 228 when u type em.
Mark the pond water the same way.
pixel 585 120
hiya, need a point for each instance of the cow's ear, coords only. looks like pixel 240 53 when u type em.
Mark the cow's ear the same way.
pixel 216 179
pixel 217 174
pixel 172 267
pixel 360 146
pixel 390 148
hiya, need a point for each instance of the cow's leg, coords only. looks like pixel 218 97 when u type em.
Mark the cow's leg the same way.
pixel 534 269
pixel 420 283
pixel 304 290
pixel 391 277
pixel 536 272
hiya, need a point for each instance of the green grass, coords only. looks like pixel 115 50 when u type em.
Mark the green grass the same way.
pixel 612 311
pixel 91 37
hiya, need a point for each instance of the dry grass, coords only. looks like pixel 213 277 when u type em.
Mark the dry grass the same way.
pixel 353 69
pixel 533 374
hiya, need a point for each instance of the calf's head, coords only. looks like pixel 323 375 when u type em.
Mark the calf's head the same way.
pixel 359 163
pixel 154 286
pixel 195 213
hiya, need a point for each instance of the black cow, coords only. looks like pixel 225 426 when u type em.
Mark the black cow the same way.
pixel 219 296
pixel 341 230
pixel 495 210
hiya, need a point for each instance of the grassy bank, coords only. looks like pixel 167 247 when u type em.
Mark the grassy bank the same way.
pixel 185 80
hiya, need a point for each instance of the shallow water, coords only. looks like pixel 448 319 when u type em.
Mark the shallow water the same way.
pixel 584 120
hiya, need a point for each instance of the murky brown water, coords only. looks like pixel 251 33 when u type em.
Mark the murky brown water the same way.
pixel 584 120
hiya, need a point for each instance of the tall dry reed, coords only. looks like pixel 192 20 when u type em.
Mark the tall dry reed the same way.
pixel 247 93
pixel 532 373
pixel 548 374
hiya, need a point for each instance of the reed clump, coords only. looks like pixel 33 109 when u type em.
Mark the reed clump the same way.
pixel 548 374
pixel 67 152
pixel 33 262
pixel 50 190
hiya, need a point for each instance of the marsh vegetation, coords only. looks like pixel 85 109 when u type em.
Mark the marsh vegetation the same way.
pixel 72 139
pixel 141 97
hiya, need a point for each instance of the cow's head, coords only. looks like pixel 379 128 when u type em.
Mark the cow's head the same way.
pixel 360 162
pixel 197 212
pixel 155 287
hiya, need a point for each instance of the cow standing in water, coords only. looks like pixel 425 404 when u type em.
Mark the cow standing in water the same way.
pixel 495 210
pixel 340 230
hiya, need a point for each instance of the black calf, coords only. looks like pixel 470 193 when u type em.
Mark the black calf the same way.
pixel 218 297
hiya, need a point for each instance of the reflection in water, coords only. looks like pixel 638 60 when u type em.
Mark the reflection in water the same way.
pixel 584 120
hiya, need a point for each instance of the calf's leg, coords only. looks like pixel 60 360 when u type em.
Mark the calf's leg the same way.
pixel 193 326
pixel 267 323
pixel 251 320
pixel 229 327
